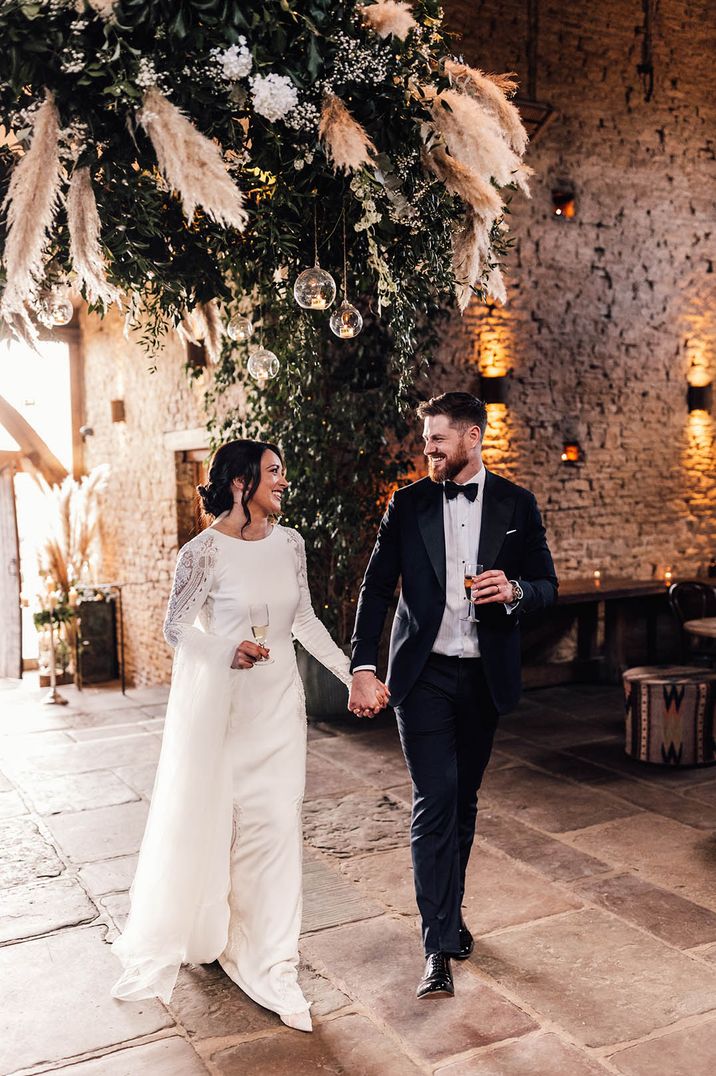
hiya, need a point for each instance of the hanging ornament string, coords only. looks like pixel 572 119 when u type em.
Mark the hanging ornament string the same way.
pixel 315 289
pixel 262 363
pixel 347 321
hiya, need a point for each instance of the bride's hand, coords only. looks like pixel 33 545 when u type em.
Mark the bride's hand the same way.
pixel 247 654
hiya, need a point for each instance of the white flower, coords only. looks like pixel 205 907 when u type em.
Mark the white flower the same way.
pixel 235 61
pixel 147 73
pixel 274 96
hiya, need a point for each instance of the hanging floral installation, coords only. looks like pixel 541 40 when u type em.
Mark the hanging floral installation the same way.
pixel 187 160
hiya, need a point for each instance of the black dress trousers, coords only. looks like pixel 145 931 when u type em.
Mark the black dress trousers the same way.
pixel 447 724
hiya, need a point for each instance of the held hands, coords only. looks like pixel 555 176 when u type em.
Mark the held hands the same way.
pixel 492 586
pixel 368 694
pixel 247 654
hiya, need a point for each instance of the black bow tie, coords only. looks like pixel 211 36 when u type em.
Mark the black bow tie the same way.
pixel 452 489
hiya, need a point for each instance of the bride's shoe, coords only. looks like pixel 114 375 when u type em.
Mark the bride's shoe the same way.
pixel 301 1021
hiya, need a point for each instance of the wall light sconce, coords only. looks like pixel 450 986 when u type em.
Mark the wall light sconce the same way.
pixel 564 203
pixel 118 412
pixel 699 397
pixel 572 453
pixel 493 388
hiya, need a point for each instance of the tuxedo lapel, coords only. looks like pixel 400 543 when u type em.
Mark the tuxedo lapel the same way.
pixel 496 516
pixel 432 528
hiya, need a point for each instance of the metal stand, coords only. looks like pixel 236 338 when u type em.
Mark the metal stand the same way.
pixel 53 697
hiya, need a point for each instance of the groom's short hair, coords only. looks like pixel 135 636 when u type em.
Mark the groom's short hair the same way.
pixel 462 409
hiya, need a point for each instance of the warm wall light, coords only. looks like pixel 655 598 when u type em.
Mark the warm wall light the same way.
pixel 572 453
pixel 699 397
pixel 564 203
pixel 493 388
pixel 118 413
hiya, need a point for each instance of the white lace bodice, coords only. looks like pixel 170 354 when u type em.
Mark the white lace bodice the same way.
pixel 217 578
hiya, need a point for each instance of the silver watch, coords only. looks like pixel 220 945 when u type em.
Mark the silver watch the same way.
pixel 517 591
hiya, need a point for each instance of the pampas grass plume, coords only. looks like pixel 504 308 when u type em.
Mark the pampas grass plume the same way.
pixel 388 17
pixel 84 227
pixel 347 142
pixel 490 95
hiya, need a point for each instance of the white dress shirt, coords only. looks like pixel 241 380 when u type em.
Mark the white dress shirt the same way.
pixel 462 520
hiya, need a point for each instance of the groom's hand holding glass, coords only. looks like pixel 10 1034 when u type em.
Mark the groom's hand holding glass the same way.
pixel 369 695
pixel 247 654
pixel 492 586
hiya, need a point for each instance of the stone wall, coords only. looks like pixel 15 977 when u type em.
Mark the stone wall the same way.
pixel 139 524
pixel 608 313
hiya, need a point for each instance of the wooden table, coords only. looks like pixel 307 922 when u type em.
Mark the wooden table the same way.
pixel 583 600
pixel 705 627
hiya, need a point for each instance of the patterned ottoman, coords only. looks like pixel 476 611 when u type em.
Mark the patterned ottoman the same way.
pixel 670 714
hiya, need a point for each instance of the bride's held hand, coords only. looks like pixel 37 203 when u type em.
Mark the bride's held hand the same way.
pixel 368 696
pixel 247 654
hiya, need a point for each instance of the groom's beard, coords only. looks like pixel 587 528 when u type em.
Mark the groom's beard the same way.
pixel 441 470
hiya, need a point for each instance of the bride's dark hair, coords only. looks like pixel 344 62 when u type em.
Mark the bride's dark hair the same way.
pixel 235 459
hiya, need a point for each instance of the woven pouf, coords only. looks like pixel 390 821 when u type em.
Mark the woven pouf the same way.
pixel 670 715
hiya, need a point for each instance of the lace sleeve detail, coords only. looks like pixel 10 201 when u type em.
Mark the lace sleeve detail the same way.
pixel 307 628
pixel 192 582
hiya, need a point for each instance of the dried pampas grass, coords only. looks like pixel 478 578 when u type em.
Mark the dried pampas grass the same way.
pixel 471 261
pixel 490 95
pixel 388 17
pixel 102 7
pixel 84 228
pixel 68 552
pixel 31 204
pixel 348 144
pixel 476 192
pixel 203 325
pixel 472 135
pixel 191 163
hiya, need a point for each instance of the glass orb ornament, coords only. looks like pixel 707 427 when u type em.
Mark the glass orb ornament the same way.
pixel 346 322
pixel 55 310
pixel 263 364
pixel 240 328
pixel 315 289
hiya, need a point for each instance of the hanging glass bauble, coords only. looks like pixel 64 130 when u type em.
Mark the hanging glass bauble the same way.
pixel 315 289
pixel 239 328
pixel 346 321
pixel 55 310
pixel 262 364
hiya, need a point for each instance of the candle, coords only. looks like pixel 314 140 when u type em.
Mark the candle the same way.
pixel 668 576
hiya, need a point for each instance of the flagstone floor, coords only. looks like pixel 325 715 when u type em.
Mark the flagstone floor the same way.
pixel 592 896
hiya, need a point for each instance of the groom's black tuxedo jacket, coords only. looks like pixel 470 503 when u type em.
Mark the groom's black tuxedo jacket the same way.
pixel 411 546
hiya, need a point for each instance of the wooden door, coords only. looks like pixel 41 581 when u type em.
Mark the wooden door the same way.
pixel 10 611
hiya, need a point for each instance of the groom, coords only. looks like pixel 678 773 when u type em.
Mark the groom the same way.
pixel 449 678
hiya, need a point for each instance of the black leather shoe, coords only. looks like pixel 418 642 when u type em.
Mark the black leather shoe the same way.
pixel 437 977
pixel 467 944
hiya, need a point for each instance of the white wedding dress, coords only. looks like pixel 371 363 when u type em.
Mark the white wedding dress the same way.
pixel 229 863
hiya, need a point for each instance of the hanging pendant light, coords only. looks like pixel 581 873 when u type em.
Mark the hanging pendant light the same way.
pixel 314 289
pixel 347 321
pixel 240 328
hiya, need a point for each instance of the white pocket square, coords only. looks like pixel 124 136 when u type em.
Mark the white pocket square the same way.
pixel 511 532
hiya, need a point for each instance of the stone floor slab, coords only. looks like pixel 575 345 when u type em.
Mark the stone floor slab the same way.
pixel 688 1052
pixel 329 900
pixel 109 876
pixel 326 778
pixel 548 803
pixel 350 1045
pixel 100 834
pixel 610 756
pixel 39 907
pixel 25 855
pixel 533 1055
pixel 11 805
pixel 76 792
pixel 171 1056
pixel 55 1000
pixel 82 757
pixel 618 990
pixel 379 962
pixel 359 822
pixel 375 755
pixel 140 778
pixel 553 858
pixel 671 918
pixel 664 852
pixel 498 892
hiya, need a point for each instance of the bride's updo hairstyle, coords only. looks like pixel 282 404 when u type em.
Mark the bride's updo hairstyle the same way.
pixel 235 459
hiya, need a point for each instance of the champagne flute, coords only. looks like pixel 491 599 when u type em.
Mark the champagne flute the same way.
pixel 259 619
pixel 471 571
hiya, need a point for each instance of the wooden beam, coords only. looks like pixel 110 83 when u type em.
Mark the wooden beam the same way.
pixel 31 444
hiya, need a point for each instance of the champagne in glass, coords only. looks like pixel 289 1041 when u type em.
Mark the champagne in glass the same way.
pixel 471 571
pixel 259 617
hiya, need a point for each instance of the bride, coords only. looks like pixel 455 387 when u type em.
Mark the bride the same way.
pixel 219 871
